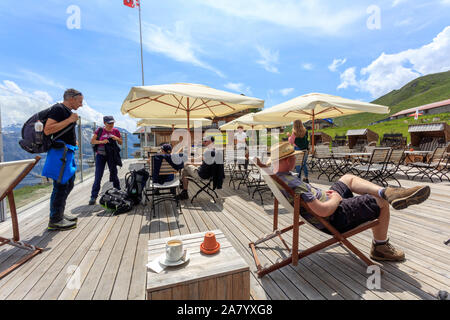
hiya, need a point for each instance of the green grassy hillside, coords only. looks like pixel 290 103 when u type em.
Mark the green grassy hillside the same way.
pixel 423 90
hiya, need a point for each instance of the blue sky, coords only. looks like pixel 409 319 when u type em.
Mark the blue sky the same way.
pixel 273 50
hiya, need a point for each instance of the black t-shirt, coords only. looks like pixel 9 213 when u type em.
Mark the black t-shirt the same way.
pixel 59 112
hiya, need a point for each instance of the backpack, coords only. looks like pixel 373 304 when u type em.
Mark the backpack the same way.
pixel 134 183
pixel 116 200
pixel 95 146
pixel 36 141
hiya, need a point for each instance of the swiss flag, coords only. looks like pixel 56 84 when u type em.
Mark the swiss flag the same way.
pixel 131 3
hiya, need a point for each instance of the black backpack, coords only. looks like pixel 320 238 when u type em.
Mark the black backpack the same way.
pixel 135 183
pixel 95 146
pixel 117 201
pixel 37 142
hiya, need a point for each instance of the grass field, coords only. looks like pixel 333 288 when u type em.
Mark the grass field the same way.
pixel 393 126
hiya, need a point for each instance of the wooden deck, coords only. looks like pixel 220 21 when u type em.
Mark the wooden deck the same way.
pixel 105 256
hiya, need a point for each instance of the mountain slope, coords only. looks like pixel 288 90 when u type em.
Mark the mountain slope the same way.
pixel 423 90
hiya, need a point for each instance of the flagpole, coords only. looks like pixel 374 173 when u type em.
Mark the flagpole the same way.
pixel 140 32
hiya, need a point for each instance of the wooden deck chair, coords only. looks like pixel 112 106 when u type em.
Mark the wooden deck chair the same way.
pixel 272 180
pixel 11 174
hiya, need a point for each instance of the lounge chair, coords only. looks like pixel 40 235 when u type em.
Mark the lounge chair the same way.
pixel 11 174
pixel 272 180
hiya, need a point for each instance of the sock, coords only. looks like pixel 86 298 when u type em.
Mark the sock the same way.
pixel 381 193
pixel 378 242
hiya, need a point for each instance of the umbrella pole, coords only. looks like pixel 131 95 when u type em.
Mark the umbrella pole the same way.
pixel 312 137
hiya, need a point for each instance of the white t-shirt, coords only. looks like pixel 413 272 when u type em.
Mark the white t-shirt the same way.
pixel 240 137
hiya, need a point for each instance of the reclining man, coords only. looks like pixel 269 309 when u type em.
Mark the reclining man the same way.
pixel 208 168
pixel 341 208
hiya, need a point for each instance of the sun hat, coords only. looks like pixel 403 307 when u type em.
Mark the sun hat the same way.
pixel 281 151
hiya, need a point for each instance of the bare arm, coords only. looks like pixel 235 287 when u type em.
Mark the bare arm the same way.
pixel 327 208
pixel 52 126
pixel 95 141
pixel 119 140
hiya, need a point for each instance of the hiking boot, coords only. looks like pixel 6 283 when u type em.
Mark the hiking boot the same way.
pixel 70 217
pixel 401 198
pixel 92 201
pixel 183 195
pixel 62 225
pixel 386 252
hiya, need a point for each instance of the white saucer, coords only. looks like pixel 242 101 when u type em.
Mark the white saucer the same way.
pixel 164 262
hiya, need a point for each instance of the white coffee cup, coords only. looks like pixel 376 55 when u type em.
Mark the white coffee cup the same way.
pixel 174 250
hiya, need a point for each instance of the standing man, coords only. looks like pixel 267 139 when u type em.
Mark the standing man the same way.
pixel 104 140
pixel 60 117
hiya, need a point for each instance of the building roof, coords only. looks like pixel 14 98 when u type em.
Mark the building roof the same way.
pixel 358 132
pixel 426 127
pixel 424 107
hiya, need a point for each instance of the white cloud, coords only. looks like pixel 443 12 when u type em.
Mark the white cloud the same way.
pixel 307 66
pixel 17 105
pixel 176 44
pixel 336 64
pixel 391 71
pixel 286 91
pixel 321 16
pixel 445 2
pixel 348 78
pixel 397 2
pixel 238 87
pixel 268 59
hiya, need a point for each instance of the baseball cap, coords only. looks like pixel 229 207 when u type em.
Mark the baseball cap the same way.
pixel 108 119
pixel 208 138
pixel 166 148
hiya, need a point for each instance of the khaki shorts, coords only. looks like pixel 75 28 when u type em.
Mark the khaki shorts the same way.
pixel 189 170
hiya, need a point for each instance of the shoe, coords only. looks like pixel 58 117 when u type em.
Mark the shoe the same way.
pixel 92 201
pixel 401 198
pixel 306 180
pixel 62 225
pixel 70 217
pixel 183 195
pixel 386 252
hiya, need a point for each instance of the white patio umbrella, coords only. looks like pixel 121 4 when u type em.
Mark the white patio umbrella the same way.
pixel 247 121
pixel 174 122
pixel 317 106
pixel 183 100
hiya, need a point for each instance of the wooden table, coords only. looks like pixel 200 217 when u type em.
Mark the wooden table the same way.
pixel 222 276
pixel 416 156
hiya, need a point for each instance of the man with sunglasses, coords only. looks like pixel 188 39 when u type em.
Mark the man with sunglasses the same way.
pixel 60 117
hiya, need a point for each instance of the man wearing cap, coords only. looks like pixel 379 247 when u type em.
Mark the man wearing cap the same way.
pixel 164 154
pixel 341 208
pixel 204 170
pixel 102 136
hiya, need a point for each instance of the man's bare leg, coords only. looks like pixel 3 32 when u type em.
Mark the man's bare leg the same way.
pixel 360 186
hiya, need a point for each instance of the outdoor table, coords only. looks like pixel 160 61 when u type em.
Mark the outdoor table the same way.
pixel 223 276
pixel 347 159
pixel 416 156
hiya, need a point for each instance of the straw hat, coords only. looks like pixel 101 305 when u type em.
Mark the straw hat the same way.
pixel 281 151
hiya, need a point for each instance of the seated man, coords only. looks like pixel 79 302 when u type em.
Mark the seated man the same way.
pixel 342 209
pixel 205 170
pixel 165 154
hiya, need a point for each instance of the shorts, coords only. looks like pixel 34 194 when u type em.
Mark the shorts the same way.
pixel 353 210
pixel 189 170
